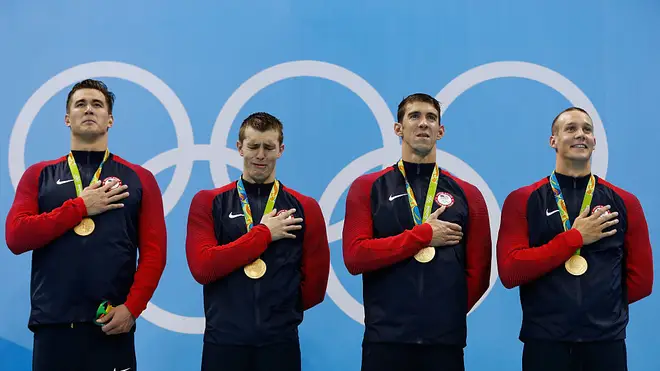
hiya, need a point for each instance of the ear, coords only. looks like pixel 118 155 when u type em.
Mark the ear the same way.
pixel 111 120
pixel 441 132
pixel 239 146
pixel 67 120
pixel 279 154
pixel 553 142
pixel 398 129
pixel 594 144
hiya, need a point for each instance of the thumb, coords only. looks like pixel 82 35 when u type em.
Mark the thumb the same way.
pixel 107 317
pixel 269 215
pixel 94 185
pixel 584 212
pixel 437 212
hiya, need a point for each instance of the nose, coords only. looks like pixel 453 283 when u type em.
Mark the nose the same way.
pixel 423 124
pixel 88 108
pixel 261 153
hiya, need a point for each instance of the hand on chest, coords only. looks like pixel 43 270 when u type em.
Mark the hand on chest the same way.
pixel 394 210
pixel 59 185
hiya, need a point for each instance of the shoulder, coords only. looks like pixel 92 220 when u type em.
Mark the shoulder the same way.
pixel 628 198
pixel 33 172
pixel 523 193
pixel 210 194
pixel 306 201
pixel 364 182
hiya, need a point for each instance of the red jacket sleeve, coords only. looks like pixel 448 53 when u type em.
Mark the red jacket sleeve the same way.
pixel 517 262
pixel 152 244
pixel 479 245
pixel 638 253
pixel 25 228
pixel 363 252
pixel 209 261
pixel 315 255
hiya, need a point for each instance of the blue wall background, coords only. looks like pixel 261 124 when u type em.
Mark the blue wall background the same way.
pixel 334 72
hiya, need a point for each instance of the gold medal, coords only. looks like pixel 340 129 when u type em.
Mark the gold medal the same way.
pixel 576 265
pixel 85 227
pixel 256 269
pixel 425 255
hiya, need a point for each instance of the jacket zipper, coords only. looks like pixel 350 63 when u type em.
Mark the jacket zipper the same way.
pixel 257 312
pixel 421 270
pixel 577 202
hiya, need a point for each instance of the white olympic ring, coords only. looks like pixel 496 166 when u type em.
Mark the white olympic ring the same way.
pixel 187 151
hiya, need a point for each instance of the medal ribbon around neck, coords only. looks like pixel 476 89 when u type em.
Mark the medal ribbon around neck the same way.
pixel 75 173
pixel 561 204
pixel 247 212
pixel 430 195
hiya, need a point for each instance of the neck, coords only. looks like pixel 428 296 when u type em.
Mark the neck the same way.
pixel 573 168
pixel 410 155
pixel 249 179
pixel 99 143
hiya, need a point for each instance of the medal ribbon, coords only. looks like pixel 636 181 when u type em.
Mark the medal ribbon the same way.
pixel 75 173
pixel 249 223
pixel 430 194
pixel 561 204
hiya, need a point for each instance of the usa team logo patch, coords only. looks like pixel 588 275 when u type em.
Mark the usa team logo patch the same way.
pixel 444 199
pixel 110 179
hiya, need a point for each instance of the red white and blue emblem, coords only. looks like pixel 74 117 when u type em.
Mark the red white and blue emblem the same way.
pixel 444 199
pixel 110 179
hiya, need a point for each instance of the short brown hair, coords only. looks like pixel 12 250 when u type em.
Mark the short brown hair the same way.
pixel 417 97
pixel 261 121
pixel 569 109
pixel 96 85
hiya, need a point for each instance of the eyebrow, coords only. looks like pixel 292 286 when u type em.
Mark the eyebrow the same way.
pixel 573 123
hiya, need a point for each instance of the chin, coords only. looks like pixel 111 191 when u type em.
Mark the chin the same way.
pixel 579 157
pixel 423 150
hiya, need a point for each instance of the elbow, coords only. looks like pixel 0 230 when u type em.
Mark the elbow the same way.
pixel 200 277
pixel 14 244
pixel 315 301
pixel 505 273
pixel 198 272
pixel 353 267
pixel 646 291
pixel 508 283
pixel 506 278
pixel 351 261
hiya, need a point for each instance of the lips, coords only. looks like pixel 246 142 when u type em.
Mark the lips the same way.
pixel 423 135
pixel 581 146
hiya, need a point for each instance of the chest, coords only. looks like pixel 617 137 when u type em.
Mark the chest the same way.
pixel 230 220
pixel 544 217
pixel 391 206
pixel 56 186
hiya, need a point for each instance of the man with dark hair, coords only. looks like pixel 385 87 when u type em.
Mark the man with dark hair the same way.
pixel 86 216
pixel 258 277
pixel 578 247
pixel 420 237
